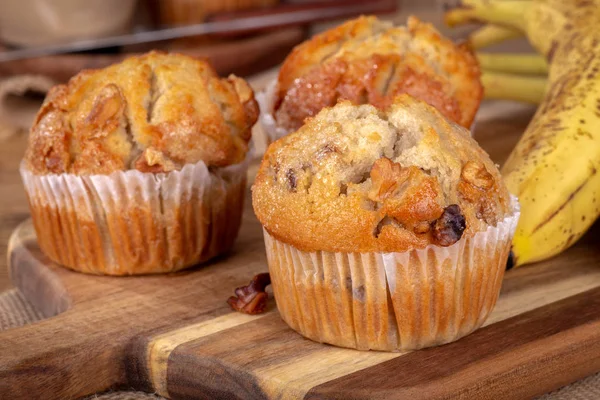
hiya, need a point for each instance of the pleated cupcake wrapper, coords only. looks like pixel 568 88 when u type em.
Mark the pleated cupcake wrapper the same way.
pixel 391 301
pixel 266 101
pixel 136 223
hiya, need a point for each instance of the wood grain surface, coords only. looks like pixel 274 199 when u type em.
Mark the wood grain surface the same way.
pixel 175 335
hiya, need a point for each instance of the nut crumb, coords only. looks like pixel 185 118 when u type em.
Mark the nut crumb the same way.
pixel 387 178
pixel 476 174
pixel 153 161
pixel 475 185
pixel 421 227
pixel 291 178
pixel 251 299
pixel 407 194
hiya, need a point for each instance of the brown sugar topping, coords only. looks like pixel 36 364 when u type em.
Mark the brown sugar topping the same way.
pixel 154 113
pixel 366 60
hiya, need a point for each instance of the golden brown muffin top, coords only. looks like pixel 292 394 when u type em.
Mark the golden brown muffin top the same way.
pixel 366 60
pixel 358 179
pixel 153 113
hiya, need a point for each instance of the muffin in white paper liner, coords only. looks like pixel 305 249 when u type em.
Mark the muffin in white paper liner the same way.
pixel 131 222
pixel 391 301
pixel 272 132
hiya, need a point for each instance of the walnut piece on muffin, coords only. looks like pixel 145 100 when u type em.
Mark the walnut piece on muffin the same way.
pixel 153 113
pixel 366 60
pixel 359 179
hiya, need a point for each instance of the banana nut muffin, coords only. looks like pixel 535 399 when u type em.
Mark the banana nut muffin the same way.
pixel 366 60
pixel 153 113
pixel 139 167
pixel 383 211
pixel 361 179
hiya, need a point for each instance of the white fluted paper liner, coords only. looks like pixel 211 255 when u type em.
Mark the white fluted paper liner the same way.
pixel 272 132
pixel 130 222
pixel 391 301
pixel 266 102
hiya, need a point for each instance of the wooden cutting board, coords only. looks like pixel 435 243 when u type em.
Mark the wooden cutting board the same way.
pixel 175 335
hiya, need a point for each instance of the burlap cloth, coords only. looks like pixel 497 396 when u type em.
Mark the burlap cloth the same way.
pixel 17 112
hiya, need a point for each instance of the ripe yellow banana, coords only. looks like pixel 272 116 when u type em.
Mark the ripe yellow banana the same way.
pixel 555 167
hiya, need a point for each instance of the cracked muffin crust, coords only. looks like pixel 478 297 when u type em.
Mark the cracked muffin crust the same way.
pixel 366 60
pixel 359 179
pixel 153 113
pixel 139 168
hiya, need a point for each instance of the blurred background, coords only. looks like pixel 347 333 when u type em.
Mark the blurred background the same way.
pixel 44 42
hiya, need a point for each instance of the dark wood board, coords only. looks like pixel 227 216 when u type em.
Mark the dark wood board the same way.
pixel 175 335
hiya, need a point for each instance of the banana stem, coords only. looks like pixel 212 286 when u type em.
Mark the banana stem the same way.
pixel 510 13
pixel 529 64
pixel 489 35
pixel 513 87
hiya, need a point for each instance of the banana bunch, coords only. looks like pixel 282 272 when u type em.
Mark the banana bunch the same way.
pixel 520 77
pixel 555 167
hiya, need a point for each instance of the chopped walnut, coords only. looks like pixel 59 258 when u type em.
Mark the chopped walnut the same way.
pixel 409 195
pixel 387 178
pixel 448 229
pixel 251 299
pixel 476 174
pixel 475 185
pixel 153 161
pixel 108 108
pixel 422 227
